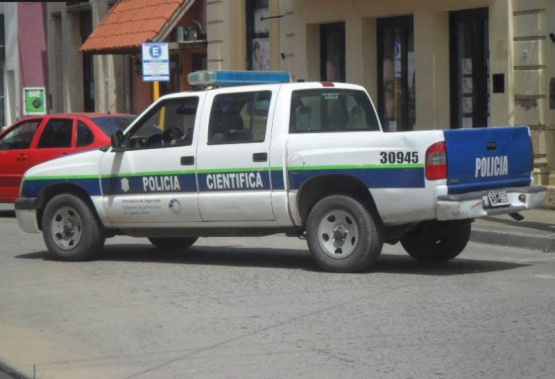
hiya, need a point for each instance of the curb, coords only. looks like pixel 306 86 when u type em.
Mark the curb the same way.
pixel 512 237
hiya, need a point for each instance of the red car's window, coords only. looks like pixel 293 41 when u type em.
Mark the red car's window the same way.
pixel 20 137
pixel 84 135
pixel 57 133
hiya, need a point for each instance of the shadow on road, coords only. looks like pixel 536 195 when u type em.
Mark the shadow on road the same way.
pixel 239 256
pixel 398 264
pixel 4 213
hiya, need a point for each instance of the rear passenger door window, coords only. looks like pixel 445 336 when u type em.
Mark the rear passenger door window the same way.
pixel 239 118
pixel 56 134
pixel 85 137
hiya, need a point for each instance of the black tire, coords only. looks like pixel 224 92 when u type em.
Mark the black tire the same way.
pixel 71 230
pixel 177 243
pixel 343 235
pixel 437 249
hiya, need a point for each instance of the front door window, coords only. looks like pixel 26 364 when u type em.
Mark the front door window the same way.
pixel 396 73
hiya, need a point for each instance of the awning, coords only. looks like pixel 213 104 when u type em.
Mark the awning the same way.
pixel 130 23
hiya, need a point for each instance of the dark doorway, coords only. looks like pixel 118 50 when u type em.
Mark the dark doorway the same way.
pixel 469 55
pixel 199 62
pixel 86 28
pixel 396 74
pixel 332 52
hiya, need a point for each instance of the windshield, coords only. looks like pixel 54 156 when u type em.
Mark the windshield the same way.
pixel 111 124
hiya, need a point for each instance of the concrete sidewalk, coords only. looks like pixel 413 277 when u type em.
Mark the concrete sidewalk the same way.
pixel 535 232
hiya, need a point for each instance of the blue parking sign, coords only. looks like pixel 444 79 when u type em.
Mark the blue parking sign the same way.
pixel 156 62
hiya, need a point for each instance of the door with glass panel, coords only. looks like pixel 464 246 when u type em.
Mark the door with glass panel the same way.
pixel 396 73
pixel 332 52
pixel 469 51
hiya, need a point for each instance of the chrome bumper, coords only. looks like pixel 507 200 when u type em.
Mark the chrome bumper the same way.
pixel 476 204
pixel 26 213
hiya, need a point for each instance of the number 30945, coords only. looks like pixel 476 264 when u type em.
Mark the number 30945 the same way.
pixel 398 157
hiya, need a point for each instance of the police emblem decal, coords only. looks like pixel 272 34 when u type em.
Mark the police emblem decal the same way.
pixel 175 206
pixel 125 185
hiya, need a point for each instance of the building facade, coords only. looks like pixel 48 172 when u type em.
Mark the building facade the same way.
pixel 83 82
pixel 428 64
pixel 23 56
pixel 94 67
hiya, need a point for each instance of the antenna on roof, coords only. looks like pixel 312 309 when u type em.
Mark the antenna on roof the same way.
pixel 112 106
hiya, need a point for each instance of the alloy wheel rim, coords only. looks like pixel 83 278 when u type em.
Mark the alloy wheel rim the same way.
pixel 66 228
pixel 338 234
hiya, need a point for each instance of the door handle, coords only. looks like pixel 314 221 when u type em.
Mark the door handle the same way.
pixel 21 157
pixel 187 161
pixel 260 157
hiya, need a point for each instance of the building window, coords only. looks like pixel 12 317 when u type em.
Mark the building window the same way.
pixel 258 35
pixel 469 54
pixel 396 74
pixel 332 52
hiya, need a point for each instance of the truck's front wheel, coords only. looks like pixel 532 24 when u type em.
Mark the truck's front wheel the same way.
pixel 71 230
pixel 437 248
pixel 343 235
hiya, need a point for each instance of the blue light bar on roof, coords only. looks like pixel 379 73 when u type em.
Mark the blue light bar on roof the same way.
pixel 209 78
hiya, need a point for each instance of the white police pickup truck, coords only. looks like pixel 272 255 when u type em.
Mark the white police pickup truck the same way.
pixel 305 159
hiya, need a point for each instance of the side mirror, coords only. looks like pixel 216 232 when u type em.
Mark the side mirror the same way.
pixel 117 141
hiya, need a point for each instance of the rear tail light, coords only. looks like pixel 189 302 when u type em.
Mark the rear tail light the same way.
pixel 436 161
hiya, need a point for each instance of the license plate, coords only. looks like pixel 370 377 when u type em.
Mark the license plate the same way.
pixel 498 198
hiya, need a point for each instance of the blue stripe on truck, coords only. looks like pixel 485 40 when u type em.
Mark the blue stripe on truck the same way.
pixel 372 178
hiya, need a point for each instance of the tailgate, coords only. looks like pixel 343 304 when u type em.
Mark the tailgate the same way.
pixel 480 159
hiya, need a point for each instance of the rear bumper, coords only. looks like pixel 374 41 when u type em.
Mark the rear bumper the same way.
pixel 476 204
pixel 26 213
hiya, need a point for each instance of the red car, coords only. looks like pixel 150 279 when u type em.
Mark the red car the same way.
pixel 35 140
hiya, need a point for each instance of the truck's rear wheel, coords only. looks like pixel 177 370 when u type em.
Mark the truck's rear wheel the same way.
pixel 437 249
pixel 173 243
pixel 342 235
pixel 71 230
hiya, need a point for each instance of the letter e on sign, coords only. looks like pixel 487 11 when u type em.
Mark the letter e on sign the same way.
pixel 155 51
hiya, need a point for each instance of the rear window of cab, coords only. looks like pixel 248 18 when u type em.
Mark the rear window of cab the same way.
pixel 331 110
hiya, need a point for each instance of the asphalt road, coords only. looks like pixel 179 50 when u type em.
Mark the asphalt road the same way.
pixel 260 308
